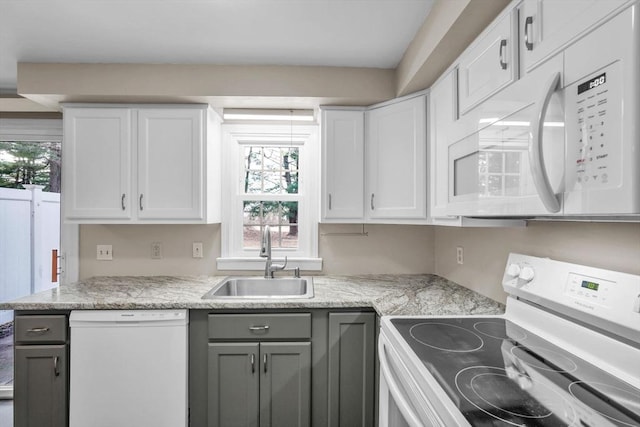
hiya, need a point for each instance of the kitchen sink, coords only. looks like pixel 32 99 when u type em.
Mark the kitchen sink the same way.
pixel 259 287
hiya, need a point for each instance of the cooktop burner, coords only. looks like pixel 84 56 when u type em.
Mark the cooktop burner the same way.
pixel 501 375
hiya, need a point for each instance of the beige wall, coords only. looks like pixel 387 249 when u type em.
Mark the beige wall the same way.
pixel 386 249
pixel 605 245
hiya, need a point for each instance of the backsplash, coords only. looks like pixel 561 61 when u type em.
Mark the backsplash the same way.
pixel 397 249
pixel 613 246
pixel 384 249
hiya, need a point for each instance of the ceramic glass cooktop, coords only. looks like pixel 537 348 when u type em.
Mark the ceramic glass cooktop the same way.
pixel 498 374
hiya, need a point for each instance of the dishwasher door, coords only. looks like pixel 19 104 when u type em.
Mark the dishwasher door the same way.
pixel 128 368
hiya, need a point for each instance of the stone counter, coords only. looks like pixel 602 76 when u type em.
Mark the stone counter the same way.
pixel 390 294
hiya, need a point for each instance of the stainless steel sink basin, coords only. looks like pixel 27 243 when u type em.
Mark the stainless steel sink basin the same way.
pixel 259 287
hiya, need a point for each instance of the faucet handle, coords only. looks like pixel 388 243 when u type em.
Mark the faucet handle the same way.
pixel 296 272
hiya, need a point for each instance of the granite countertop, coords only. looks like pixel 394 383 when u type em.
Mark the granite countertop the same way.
pixel 388 294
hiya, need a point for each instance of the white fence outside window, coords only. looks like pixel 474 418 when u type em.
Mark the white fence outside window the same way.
pixel 29 231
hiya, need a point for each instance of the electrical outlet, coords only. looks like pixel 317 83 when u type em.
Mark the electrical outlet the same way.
pixel 156 250
pixel 460 255
pixel 104 252
pixel 197 249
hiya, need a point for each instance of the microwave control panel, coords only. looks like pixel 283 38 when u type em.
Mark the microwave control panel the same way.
pixel 593 153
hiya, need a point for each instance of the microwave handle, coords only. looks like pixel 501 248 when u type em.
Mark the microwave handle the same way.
pixel 538 169
pixel 401 402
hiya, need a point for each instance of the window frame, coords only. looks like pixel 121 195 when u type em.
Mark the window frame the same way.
pixel 235 137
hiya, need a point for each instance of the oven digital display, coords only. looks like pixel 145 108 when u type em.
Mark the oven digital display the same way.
pixel 594 82
pixel 590 285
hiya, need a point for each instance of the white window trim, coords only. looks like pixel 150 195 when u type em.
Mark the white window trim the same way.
pixel 234 136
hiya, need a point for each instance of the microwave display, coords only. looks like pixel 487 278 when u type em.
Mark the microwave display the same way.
pixel 592 83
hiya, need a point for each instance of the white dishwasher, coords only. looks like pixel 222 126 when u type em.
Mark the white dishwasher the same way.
pixel 128 368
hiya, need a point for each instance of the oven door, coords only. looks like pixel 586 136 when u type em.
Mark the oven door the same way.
pixel 511 161
pixel 401 402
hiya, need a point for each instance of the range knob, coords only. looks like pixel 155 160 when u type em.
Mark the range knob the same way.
pixel 527 274
pixel 513 270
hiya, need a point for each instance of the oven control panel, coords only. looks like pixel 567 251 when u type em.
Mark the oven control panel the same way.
pixel 603 298
pixel 591 290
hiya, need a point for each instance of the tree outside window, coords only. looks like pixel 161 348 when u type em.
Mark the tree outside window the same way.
pixel 272 173
pixel 29 162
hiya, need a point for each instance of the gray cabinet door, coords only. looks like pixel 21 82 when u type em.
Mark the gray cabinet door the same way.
pixel 40 389
pixel 233 384
pixel 351 369
pixel 285 384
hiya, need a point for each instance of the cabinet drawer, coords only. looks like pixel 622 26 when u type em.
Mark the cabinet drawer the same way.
pixel 260 326
pixel 41 329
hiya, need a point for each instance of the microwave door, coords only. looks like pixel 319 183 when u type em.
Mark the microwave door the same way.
pixel 490 170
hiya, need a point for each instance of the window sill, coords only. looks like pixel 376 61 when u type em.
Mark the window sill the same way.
pixel 257 264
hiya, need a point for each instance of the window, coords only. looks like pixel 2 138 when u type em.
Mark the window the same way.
pixel 270 177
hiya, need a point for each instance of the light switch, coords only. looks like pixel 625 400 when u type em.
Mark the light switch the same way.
pixel 104 252
pixel 197 249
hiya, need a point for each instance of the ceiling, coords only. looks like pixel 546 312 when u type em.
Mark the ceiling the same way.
pixel 346 33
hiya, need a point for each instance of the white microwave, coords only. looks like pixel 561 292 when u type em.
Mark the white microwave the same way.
pixel 564 140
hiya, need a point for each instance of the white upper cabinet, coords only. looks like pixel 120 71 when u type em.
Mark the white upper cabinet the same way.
pixel 548 25
pixel 342 165
pixel 489 64
pixel 137 165
pixel 442 111
pixel 396 161
pixel 96 172
pixel 170 164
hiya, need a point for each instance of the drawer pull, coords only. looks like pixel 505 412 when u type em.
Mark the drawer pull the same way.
pixel 39 330
pixel 262 328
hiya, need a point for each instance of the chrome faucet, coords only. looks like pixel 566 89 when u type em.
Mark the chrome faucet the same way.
pixel 265 252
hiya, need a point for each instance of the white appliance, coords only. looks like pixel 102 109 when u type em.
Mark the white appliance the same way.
pixel 562 140
pixel 128 368
pixel 565 353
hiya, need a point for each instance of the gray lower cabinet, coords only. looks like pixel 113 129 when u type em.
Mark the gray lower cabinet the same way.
pixel 351 369
pixel 261 383
pixel 265 368
pixel 41 371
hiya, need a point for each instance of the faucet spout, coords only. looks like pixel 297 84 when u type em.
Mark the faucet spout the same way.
pixel 265 252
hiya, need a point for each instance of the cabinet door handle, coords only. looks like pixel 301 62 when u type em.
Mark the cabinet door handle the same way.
pixel 141 196
pixel 503 45
pixel 372 206
pixel 122 201
pixel 253 363
pixel 329 201
pixel 262 328
pixel 38 330
pixel 264 362
pixel 528 25
pixel 56 371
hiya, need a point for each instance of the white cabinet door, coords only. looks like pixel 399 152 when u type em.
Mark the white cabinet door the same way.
pixel 396 160
pixel 96 173
pixel 548 25
pixel 342 165
pixel 442 104
pixel 170 164
pixel 489 64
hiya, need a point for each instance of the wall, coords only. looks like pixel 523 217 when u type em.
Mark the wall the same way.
pixel 386 249
pixel 604 245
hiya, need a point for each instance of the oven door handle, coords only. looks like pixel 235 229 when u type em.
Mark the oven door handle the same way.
pixel 406 410
pixel 536 160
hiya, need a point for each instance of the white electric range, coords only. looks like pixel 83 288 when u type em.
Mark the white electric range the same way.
pixel 565 353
